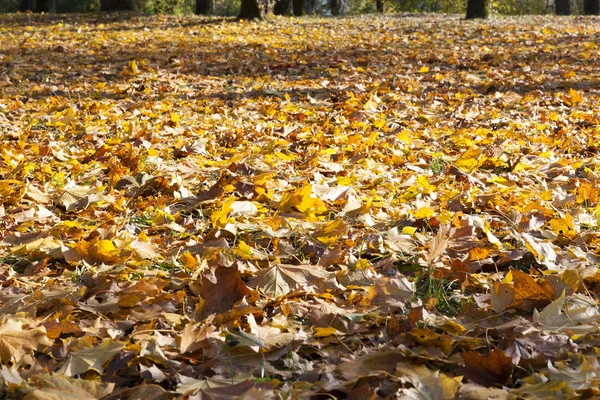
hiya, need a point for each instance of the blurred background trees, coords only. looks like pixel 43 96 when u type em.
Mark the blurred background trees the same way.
pixel 302 7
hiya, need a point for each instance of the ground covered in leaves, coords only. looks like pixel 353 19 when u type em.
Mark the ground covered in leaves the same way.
pixel 374 207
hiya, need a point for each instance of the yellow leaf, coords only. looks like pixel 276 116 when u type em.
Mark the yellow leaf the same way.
pixel 362 264
pixel 575 97
pixel 188 260
pixel 305 201
pixel 470 159
pixel 405 136
pixel 423 184
pixel 563 226
pixel 105 251
pixel 409 230
pixel 424 70
pixel 130 300
pixel 220 217
pixel 478 253
pixel 243 250
pixel 133 68
pixel 330 233
pixel 105 247
pixel 324 332
pixel 508 277
pixel 424 213
pixel 285 157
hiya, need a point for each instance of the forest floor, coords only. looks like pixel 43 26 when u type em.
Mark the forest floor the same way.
pixel 380 206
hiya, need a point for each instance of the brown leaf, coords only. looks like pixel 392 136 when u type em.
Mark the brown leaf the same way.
pixel 439 243
pixel 90 359
pixel 60 387
pixel 282 279
pixel 488 369
pixel 221 292
pixel 17 338
pixel 521 290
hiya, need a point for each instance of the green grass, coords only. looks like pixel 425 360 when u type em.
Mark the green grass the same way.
pixel 444 295
pixel 437 166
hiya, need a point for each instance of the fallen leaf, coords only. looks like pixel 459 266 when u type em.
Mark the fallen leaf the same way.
pixel 18 338
pixel 91 359
pixel 60 387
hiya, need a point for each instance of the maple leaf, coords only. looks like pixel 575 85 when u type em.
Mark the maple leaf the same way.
pixel 60 387
pixel 426 384
pixel 485 369
pixel 581 376
pixel 579 315
pixel 519 289
pixel 221 292
pixel 90 359
pixel 18 338
pixel 279 280
pixel 198 336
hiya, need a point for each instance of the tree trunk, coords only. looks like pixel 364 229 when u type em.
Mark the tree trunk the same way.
pixel 298 7
pixel 48 6
pixel 478 9
pixel 249 10
pixel 310 6
pixel 334 5
pixel 282 7
pixel 591 7
pixel 562 7
pixel 379 5
pixel 116 5
pixel 204 7
pixel 26 5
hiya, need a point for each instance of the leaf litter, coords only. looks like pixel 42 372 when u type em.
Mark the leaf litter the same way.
pixel 393 206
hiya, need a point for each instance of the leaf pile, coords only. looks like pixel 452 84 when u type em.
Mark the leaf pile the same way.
pixel 400 206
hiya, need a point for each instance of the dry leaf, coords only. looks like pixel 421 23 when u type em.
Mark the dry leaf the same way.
pixel 18 338
pixel 60 387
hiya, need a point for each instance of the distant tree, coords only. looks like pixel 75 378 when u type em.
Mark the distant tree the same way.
pixel 282 7
pixel 591 7
pixel 117 5
pixel 204 7
pixel 249 10
pixel 38 6
pixel 334 6
pixel 298 7
pixel 478 8
pixel 26 5
pixel 379 5
pixel 562 7
pixel 310 6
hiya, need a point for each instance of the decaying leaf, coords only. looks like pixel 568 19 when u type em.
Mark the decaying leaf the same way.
pixel 221 292
pixel 279 280
pixel 60 387
pixel 18 337
pixel 91 359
